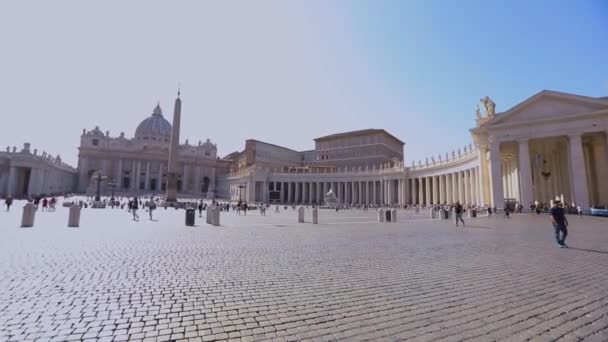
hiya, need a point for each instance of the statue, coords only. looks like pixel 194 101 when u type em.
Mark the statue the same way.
pixel 489 106
pixel 477 112
pixel 330 198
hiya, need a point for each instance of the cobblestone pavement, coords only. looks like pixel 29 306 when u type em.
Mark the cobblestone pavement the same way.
pixel 269 278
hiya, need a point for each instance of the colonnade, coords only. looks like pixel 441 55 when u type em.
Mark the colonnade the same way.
pixel 460 186
pixel 356 192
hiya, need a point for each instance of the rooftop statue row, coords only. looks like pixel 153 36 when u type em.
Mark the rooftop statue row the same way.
pixel 26 150
pixel 456 155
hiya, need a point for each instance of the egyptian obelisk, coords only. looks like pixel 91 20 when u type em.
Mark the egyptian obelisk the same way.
pixel 173 152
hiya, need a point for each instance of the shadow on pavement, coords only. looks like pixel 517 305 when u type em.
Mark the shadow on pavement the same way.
pixel 589 250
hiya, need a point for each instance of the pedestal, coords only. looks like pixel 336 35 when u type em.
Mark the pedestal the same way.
pixel 301 214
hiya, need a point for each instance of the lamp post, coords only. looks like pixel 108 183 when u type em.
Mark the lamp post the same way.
pixel 112 184
pixel 98 178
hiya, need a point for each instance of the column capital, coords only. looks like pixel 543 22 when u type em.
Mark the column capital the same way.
pixel 575 136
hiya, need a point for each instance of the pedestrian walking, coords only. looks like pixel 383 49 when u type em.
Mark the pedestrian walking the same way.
pixel 134 207
pixel 560 224
pixel 458 213
pixel 200 208
pixel 8 202
pixel 151 207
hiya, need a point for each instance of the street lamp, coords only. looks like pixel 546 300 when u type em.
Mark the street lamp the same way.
pixel 98 178
pixel 112 184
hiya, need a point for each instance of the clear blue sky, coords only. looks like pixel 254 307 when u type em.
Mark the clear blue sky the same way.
pixel 286 72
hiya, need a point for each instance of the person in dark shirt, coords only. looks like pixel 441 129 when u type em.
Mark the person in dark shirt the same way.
pixel 560 223
pixel 458 209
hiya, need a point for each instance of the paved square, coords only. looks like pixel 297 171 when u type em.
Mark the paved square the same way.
pixel 258 278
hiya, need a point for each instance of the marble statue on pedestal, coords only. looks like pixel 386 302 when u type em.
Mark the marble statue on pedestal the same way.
pixel 330 198
pixel 489 106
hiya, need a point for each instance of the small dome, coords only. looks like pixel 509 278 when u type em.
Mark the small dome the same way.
pixel 154 127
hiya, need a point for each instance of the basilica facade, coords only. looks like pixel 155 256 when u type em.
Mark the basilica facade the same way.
pixel 552 145
pixel 139 165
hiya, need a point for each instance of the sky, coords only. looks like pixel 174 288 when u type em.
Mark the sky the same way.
pixel 286 72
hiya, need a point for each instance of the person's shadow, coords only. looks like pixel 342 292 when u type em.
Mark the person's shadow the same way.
pixel 588 250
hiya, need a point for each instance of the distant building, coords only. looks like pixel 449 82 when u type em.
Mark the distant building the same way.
pixel 26 173
pixel 138 165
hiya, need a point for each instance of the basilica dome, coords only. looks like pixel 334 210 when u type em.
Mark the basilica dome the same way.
pixel 154 127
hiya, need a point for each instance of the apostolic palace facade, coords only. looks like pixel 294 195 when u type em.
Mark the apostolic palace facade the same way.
pixel 552 145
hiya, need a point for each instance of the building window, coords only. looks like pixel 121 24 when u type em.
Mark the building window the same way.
pixel 95 142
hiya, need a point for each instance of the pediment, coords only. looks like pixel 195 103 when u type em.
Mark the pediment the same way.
pixel 550 105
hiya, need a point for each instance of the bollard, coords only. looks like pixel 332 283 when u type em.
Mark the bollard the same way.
pixel 215 216
pixel 380 215
pixel 394 215
pixel 470 213
pixel 315 215
pixel 432 213
pixel 29 213
pixel 208 214
pixel 301 214
pixel 74 216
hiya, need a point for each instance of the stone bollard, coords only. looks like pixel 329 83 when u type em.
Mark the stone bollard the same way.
pixel 74 216
pixel 394 215
pixel 315 215
pixel 470 213
pixel 215 216
pixel 208 214
pixel 301 214
pixel 29 213
pixel 380 215
pixel 432 213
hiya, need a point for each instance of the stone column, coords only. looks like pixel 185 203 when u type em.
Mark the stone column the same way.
pixel 118 174
pixel 435 189
pixel 454 188
pixel 496 178
pixel 147 185
pixel 414 191
pixel 138 176
pixel 374 192
pixel 441 189
pixel 406 190
pixel 421 191
pixel 580 189
pixel 525 175
pixel 288 192
pixel 473 187
pixel 311 193
pixel 367 192
pixel 467 186
pixel 298 192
